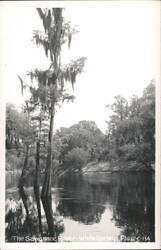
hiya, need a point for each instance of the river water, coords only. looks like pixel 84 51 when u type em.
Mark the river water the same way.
pixel 100 206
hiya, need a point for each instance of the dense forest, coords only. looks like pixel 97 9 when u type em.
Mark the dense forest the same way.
pixel 129 137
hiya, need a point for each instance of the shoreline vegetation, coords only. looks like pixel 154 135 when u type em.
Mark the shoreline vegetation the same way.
pixel 128 144
pixel 106 167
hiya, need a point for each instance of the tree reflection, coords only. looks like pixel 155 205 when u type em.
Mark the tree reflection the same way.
pixel 131 197
pixel 133 210
pixel 86 201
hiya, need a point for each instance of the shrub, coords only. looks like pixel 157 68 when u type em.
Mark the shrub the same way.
pixel 128 152
pixel 13 162
pixel 144 153
pixel 77 157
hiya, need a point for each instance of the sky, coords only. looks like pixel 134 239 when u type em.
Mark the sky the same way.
pixel 120 39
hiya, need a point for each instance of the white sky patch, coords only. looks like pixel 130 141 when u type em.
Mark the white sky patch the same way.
pixel 120 39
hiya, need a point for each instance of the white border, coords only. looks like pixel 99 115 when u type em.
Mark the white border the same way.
pixel 71 245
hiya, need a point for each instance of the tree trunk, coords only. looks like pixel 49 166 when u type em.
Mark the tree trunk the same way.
pixel 37 185
pixel 47 204
pixel 22 193
pixel 46 190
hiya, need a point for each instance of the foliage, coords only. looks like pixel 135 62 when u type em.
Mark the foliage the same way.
pixel 51 82
pixel 18 129
pixel 77 157
pixel 13 161
pixel 130 135
pixel 19 136
pixel 131 129
pixel 85 136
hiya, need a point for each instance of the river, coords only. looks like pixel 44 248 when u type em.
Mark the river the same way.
pixel 100 206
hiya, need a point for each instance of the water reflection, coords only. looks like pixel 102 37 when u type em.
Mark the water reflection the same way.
pixel 133 210
pixel 116 205
pixel 130 196
pixel 80 200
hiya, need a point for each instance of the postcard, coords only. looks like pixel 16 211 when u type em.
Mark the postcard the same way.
pixel 80 125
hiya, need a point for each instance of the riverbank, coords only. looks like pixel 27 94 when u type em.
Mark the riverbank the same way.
pixel 104 167
pixel 116 166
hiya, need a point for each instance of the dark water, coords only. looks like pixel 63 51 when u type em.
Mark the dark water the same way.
pixel 100 206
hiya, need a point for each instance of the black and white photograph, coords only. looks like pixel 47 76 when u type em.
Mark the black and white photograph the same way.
pixel 81 124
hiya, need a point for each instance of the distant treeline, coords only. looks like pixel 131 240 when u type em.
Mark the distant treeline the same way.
pixel 129 137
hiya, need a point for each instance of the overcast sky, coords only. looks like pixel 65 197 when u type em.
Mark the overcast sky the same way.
pixel 121 40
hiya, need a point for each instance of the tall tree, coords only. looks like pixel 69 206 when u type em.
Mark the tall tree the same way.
pixel 51 82
pixel 50 91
